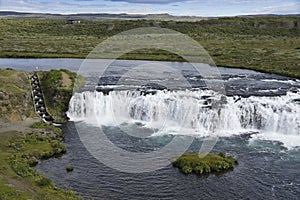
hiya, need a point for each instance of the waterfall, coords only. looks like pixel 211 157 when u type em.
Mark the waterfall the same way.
pixel 196 112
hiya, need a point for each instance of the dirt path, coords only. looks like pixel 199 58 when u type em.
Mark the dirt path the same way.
pixel 19 125
pixel 66 81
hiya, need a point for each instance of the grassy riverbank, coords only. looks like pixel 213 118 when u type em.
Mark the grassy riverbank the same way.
pixel 19 153
pixel 59 86
pixel 25 140
pixel 268 44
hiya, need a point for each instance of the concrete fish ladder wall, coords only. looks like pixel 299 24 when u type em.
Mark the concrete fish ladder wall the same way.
pixel 39 100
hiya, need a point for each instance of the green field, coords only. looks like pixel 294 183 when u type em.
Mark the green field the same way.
pixel 268 44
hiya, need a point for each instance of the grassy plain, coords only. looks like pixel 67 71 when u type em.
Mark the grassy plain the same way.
pixel 268 44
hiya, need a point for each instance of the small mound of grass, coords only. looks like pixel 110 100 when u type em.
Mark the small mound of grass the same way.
pixel 200 164
pixel 40 124
pixel 69 168
pixel 44 182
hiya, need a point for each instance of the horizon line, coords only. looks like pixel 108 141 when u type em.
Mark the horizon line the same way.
pixel 145 14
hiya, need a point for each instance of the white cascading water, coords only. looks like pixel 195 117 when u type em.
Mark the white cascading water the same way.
pixel 195 112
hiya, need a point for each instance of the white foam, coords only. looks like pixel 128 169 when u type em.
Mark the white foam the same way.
pixel 292 82
pixel 235 79
pixel 289 141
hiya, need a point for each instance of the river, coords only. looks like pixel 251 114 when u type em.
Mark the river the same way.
pixel 256 120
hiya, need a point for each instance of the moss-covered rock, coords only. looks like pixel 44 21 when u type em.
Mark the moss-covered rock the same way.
pixel 69 168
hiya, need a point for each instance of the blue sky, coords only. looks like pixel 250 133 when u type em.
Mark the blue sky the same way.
pixel 173 7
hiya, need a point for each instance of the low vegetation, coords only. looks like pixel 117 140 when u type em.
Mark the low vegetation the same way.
pixel 15 96
pixel 269 44
pixel 15 93
pixel 21 150
pixel 211 163
pixel 18 179
pixel 59 86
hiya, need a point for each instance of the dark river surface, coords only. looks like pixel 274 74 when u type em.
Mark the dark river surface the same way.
pixel 258 122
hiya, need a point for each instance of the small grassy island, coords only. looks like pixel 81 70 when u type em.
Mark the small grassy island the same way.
pixel 211 163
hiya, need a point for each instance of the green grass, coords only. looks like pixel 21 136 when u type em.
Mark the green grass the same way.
pixel 41 124
pixel 195 163
pixel 56 95
pixel 15 96
pixel 18 179
pixel 19 152
pixel 267 44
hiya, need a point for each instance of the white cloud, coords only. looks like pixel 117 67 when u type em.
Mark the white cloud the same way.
pixel 51 7
pixel 184 7
pixel 285 8
pixel 150 1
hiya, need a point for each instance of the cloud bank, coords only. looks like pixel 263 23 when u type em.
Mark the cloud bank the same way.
pixel 173 7
pixel 149 1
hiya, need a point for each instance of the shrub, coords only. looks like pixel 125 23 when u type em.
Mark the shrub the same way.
pixel 187 169
pixel 199 170
pixel 231 161
pixel 222 154
pixel 44 182
pixel 58 148
pixel 32 161
pixel 40 124
pixel 21 166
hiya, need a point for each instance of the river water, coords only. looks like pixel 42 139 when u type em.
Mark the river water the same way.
pixel 256 120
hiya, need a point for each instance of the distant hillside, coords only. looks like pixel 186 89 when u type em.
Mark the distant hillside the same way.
pixel 122 16
pixel 98 16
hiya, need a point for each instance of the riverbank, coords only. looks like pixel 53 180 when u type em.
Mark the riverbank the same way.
pixel 267 44
pixel 20 151
pixel 25 140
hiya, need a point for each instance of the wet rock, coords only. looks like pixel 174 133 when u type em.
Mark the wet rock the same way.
pixel 294 90
pixel 104 90
pixel 205 97
pixel 238 99
pixel 153 86
pixel 148 92
pixel 296 101
pixel 3 96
